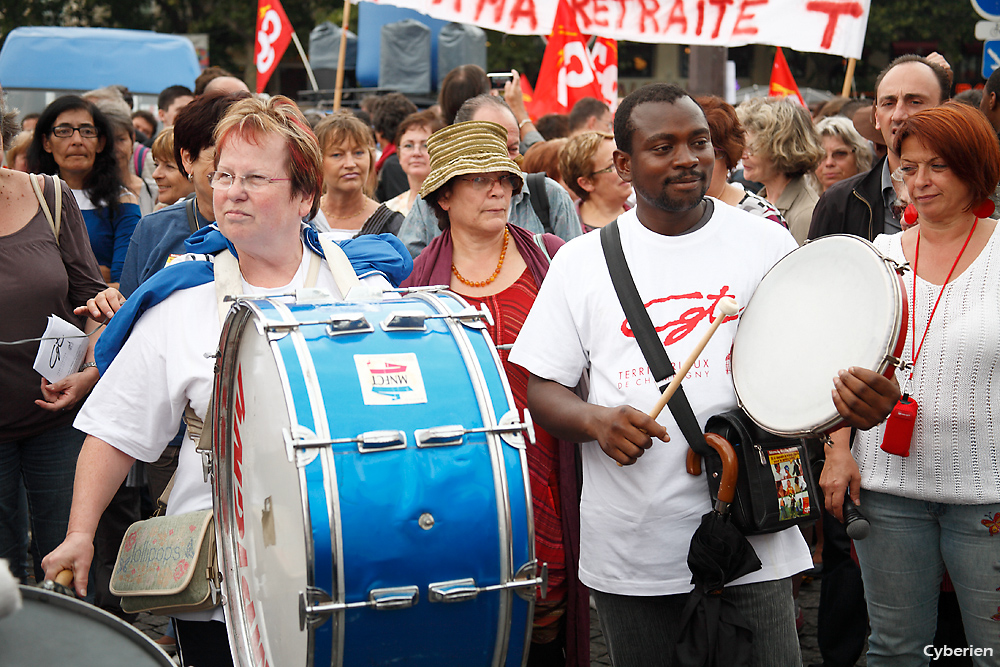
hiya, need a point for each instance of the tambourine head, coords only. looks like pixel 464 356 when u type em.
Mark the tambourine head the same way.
pixel 832 304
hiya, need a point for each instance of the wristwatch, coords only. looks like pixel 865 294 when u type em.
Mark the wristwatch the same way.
pixel 89 364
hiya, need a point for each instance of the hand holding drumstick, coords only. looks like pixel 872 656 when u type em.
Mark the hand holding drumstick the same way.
pixel 727 307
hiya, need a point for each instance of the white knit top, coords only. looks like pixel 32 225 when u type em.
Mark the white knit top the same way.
pixel 955 451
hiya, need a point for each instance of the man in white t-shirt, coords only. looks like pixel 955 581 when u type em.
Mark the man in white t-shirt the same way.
pixel 686 252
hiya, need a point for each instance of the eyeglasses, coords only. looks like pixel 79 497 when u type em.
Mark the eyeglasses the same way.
pixel 221 180
pixel 410 147
pixel 66 131
pixel 485 183
pixel 607 170
pixel 839 155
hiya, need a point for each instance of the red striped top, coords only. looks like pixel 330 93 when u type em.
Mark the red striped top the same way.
pixel 510 308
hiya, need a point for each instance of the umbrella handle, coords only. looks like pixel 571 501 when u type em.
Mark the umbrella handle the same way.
pixel 693 464
pixel 730 466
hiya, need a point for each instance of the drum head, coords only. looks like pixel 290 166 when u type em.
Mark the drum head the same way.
pixel 52 629
pixel 829 305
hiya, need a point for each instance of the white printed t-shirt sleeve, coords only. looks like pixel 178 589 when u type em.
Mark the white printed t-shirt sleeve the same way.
pixel 549 344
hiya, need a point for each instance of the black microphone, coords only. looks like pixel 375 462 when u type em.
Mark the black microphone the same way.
pixel 856 524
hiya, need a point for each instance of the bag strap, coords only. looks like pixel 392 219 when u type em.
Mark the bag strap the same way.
pixel 539 198
pixel 38 186
pixel 228 281
pixel 645 335
pixel 539 240
pixel 340 266
pixel 192 218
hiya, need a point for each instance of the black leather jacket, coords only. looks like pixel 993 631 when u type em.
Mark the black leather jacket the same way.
pixel 852 206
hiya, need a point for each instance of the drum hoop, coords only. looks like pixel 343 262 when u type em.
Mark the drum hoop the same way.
pixel 891 348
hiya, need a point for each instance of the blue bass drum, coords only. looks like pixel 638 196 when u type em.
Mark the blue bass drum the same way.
pixel 371 488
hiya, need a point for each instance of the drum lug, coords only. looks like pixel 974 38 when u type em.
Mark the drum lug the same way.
pixel 315 604
pixel 523 584
pixel 458 590
pixel 381 441
pixel 405 321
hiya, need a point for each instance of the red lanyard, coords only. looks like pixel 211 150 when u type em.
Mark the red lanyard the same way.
pixel 913 310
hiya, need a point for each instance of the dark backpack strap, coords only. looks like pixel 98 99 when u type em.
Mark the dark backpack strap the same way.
pixel 378 222
pixel 192 218
pixel 645 335
pixel 539 198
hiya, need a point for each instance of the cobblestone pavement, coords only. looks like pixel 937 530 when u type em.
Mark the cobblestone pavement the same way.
pixel 154 626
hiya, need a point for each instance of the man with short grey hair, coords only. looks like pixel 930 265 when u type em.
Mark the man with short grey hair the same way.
pixel 421 225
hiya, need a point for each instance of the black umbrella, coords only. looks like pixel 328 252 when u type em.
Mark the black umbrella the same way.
pixel 713 631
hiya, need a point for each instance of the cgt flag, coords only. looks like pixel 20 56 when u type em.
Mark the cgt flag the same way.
pixel 567 72
pixel 274 31
pixel 604 55
pixel 782 82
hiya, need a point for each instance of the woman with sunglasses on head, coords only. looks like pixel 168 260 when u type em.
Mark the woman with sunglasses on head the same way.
pixel 347 209
pixel 497 265
pixel 74 140
pixel 586 167
pixel 782 148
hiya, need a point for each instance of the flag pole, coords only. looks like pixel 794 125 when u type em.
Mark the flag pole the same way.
pixel 849 77
pixel 305 61
pixel 339 88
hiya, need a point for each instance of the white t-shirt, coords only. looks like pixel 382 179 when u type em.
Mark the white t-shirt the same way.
pixel 637 521
pixel 164 364
pixel 954 451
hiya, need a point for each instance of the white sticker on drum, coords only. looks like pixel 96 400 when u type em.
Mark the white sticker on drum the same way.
pixel 390 379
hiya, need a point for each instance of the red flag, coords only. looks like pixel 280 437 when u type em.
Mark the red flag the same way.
pixel 567 73
pixel 274 32
pixel 527 92
pixel 604 55
pixel 782 82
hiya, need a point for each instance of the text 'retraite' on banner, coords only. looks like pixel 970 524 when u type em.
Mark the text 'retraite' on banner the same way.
pixel 822 26
pixel 274 32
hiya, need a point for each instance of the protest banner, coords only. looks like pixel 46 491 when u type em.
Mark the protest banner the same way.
pixel 821 26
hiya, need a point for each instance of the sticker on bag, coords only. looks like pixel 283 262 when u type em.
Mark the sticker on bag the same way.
pixel 789 483
pixel 390 379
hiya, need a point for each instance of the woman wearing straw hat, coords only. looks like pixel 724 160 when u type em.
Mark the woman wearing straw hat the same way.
pixel 497 265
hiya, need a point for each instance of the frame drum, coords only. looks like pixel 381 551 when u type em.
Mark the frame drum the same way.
pixel 54 629
pixel 371 486
pixel 833 303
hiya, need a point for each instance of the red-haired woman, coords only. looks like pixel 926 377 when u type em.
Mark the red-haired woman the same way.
pixel 932 494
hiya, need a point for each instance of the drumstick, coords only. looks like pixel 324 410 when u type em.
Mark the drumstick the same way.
pixel 65 578
pixel 728 307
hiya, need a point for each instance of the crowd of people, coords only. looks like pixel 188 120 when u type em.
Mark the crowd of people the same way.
pixel 512 213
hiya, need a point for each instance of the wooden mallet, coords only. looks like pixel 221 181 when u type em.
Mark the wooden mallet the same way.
pixel 727 308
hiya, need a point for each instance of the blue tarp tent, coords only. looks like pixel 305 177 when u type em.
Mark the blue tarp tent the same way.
pixel 58 58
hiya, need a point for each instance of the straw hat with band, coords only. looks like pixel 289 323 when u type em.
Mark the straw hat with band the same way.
pixel 472 147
